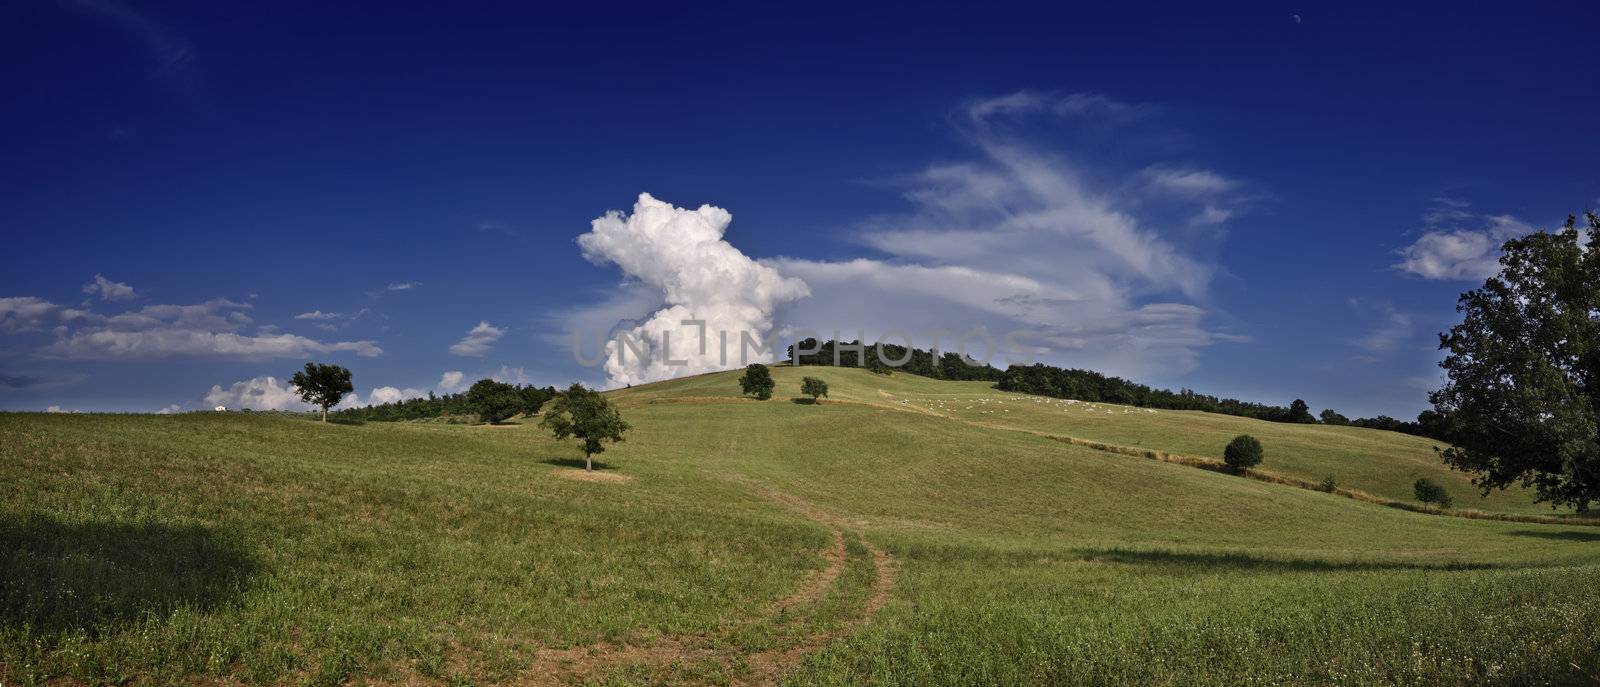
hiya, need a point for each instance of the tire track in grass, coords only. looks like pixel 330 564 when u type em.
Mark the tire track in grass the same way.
pixel 694 654
pixel 768 667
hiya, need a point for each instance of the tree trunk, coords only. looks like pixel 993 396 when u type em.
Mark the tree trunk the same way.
pixel 324 413
pixel 588 461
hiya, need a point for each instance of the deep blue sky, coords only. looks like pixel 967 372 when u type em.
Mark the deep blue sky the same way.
pixel 294 158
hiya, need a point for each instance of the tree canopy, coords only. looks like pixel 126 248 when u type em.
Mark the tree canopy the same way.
pixel 1522 398
pixel 1428 491
pixel 757 381
pixel 1243 453
pixel 587 415
pixel 813 387
pixel 322 385
pixel 494 401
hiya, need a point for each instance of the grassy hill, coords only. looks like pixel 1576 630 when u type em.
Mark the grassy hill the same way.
pixel 1373 461
pixel 894 536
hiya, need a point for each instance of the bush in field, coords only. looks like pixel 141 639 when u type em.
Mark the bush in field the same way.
pixel 1428 491
pixel 757 381
pixel 813 387
pixel 1242 453
pixel 1328 484
pixel 494 401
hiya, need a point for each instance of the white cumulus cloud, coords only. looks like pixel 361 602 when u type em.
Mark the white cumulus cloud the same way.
pixel 1461 254
pixel 24 314
pixel 389 394
pixel 681 255
pixel 450 382
pixel 270 393
pixel 478 341
pixel 259 393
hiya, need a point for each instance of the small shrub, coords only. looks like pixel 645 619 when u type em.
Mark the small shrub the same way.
pixel 1328 484
pixel 1243 453
pixel 1428 491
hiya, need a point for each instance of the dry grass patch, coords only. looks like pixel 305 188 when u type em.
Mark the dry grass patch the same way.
pixel 601 476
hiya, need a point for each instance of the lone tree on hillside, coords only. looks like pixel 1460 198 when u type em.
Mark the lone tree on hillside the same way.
pixel 1522 400
pixel 494 401
pixel 1243 453
pixel 1427 491
pixel 587 415
pixel 813 387
pixel 757 380
pixel 322 385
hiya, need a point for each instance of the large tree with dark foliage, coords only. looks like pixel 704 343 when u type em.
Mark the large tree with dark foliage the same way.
pixel 494 401
pixel 587 415
pixel 1299 412
pixel 1523 393
pixel 322 385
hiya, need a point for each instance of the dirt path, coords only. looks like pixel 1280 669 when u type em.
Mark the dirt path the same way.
pixel 584 664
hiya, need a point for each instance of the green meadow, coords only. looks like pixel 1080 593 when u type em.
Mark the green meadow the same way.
pixel 903 531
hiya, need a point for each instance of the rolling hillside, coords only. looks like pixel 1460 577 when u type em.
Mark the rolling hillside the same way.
pixel 905 531
pixel 1378 462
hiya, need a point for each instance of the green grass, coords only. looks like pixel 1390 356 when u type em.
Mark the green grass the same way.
pixel 1377 462
pixel 273 550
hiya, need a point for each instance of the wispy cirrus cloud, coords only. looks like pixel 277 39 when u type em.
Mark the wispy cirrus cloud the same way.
pixel 174 56
pixel 332 321
pixel 217 328
pixel 109 290
pixel 1024 237
pixel 1393 329
pixel 984 111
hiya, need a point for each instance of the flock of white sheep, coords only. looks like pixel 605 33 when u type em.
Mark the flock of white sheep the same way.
pixel 990 406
